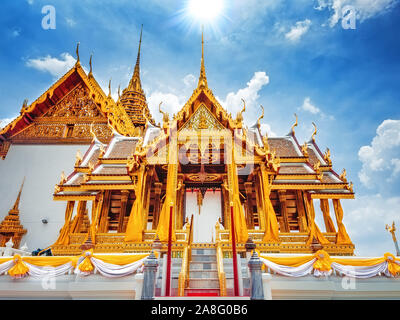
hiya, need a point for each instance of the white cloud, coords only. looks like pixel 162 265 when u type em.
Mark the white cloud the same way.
pixel 56 67
pixel 309 107
pixel 5 121
pixel 297 31
pixel 30 2
pixel 365 9
pixel 71 22
pixel 16 32
pixel 266 128
pixel 381 159
pixel 233 101
pixel 171 104
pixel 365 218
pixel 189 81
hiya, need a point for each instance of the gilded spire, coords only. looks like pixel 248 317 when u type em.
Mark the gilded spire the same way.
pixel 203 77
pixel 16 204
pixel 135 83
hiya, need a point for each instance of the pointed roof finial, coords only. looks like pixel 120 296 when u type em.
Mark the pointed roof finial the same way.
pixel 315 132
pixel 203 77
pixel 77 53
pixel 90 65
pixel 135 84
pixel 16 204
pixel 109 88
pixel 295 124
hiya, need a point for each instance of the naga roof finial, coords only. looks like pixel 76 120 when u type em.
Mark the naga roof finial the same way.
pixel 90 65
pixel 260 117
pixel 77 53
pixel 295 124
pixel 165 114
pixel 314 133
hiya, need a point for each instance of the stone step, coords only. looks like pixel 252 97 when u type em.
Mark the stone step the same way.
pixel 204 274
pixel 206 292
pixel 203 257
pixel 210 283
pixel 202 265
pixel 204 251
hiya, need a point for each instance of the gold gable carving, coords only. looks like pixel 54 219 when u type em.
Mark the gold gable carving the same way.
pixel 70 119
pixel 77 103
pixel 202 119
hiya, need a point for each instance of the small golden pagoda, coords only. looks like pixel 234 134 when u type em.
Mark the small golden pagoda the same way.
pixel 11 227
pixel 131 183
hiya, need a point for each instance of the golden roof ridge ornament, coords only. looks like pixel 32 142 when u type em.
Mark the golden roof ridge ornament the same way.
pixel 135 83
pixel 165 115
pixel 202 78
pixel 260 117
pixel 77 54
pixel 90 66
pixel 314 133
pixel 109 89
pixel 295 124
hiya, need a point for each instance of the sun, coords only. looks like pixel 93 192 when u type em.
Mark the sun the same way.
pixel 205 10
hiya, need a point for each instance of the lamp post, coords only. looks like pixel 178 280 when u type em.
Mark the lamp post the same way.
pixel 392 230
pixel 235 265
pixel 168 280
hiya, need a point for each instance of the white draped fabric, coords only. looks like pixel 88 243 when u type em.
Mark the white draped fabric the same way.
pixel 210 211
pixel 4 267
pixel 113 270
pixel 300 271
pixel 42 272
pixel 360 272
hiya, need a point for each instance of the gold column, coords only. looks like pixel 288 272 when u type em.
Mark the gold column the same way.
pixel 282 200
pixel 157 202
pixel 122 212
pixel 302 219
pixel 63 238
pixel 103 224
pixel 314 231
pixel 76 224
pixel 248 186
pixel 342 236
pixel 330 227
pixel 269 218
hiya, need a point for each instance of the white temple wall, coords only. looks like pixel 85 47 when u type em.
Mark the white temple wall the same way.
pixel 41 165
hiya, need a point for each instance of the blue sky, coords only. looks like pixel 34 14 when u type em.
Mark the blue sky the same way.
pixel 289 56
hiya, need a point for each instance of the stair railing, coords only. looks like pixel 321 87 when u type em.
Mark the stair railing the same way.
pixel 183 279
pixel 220 264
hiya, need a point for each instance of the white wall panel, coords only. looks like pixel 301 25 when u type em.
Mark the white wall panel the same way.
pixel 42 166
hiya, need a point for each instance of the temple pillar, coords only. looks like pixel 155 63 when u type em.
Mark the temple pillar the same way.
pixel 226 207
pixel 157 203
pixel 122 212
pixel 302 217
pixel 103 224
pixel 282 202
pixel 248 186
pixel 179 206
pixel 329 226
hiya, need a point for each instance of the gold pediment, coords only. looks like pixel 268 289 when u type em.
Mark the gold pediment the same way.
pixel 202 119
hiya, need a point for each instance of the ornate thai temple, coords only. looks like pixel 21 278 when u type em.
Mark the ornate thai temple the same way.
pixel 203 167
pixel 198 162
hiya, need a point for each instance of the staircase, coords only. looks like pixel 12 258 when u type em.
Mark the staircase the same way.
pixel 203 274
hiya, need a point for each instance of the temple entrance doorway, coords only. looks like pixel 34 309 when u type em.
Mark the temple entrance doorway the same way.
pixel 206 208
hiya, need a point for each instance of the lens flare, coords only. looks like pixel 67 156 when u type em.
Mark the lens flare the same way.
pixel 205 10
